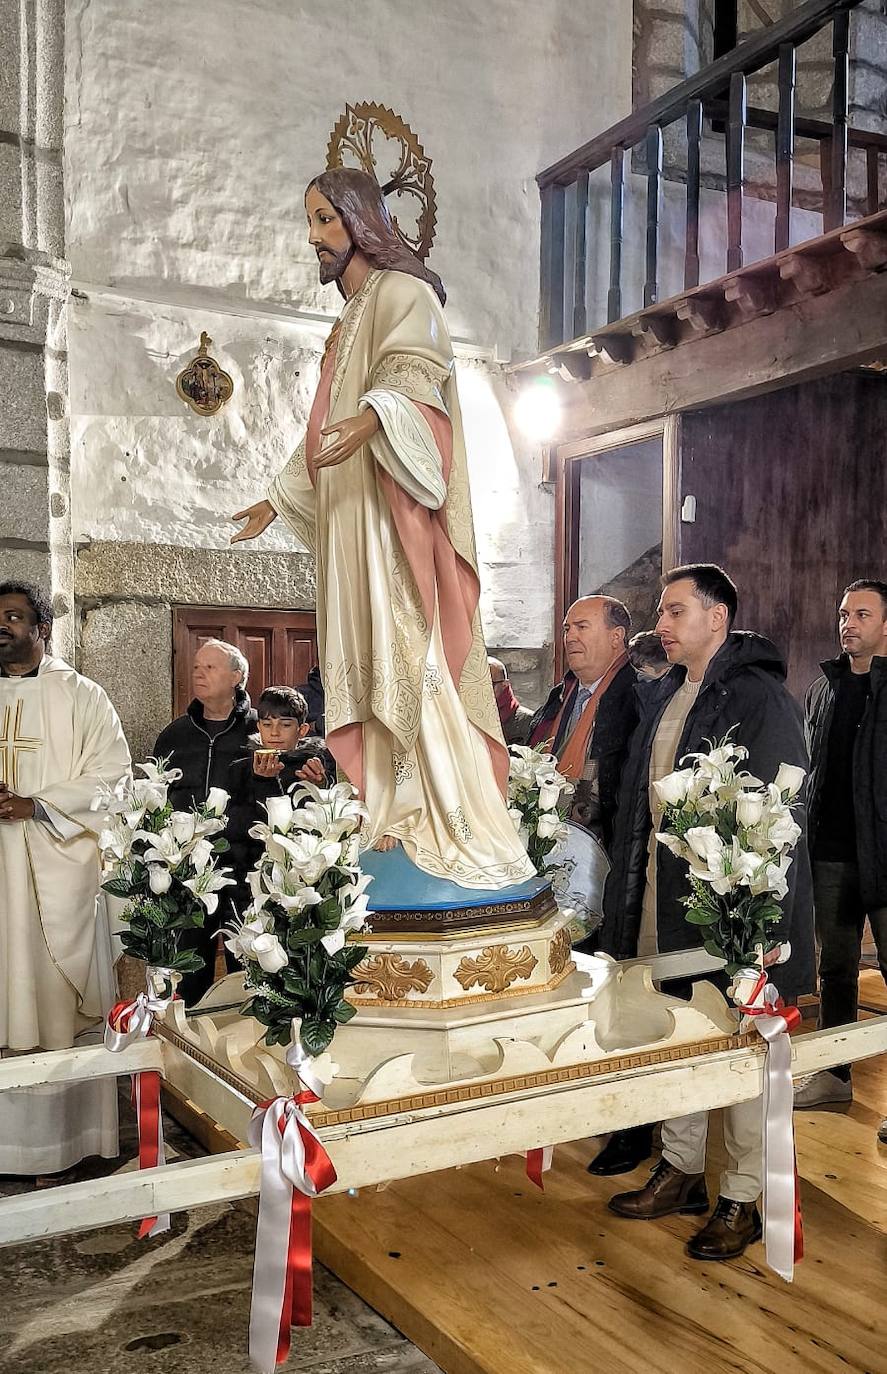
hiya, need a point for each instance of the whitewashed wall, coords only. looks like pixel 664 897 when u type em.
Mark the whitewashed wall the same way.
pixel 190 135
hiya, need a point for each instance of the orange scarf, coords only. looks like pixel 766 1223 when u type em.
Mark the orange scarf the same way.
pixel 572 759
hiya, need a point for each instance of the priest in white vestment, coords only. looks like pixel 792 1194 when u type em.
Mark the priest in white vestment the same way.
pixel 378 489
pixel 60 738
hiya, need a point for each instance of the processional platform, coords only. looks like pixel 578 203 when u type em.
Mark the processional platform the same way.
pixel 523 1093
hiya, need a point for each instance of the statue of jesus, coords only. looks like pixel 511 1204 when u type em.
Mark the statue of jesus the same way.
pixel 378 490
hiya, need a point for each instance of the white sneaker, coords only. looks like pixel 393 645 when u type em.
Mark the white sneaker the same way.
pixel 821 1089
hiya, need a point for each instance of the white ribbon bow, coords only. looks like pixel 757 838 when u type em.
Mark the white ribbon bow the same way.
pixel 778 1135
pixel 283 1169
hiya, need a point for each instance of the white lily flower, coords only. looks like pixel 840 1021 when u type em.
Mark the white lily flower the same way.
pixel 206 887
pixel 155 772
pixel 162 847
pixel 115 843
pixel 200 855
pixel 298 901
pixel 674 843
pixel 310 855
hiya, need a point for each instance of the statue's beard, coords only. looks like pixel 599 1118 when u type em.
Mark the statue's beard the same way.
pixel 332 268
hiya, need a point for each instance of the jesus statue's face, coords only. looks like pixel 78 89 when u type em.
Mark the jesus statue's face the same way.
pixel 328 236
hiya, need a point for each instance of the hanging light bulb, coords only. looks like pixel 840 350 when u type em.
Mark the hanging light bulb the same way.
pixel 537 410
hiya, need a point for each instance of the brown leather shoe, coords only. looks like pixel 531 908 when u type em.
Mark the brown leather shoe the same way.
pixel 729 1231
pixel 668 1190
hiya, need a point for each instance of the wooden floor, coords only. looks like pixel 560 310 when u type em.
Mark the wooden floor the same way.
pixel 489 1276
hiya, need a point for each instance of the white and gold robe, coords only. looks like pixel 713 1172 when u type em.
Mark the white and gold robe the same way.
pixel 411 716
pixel 60 737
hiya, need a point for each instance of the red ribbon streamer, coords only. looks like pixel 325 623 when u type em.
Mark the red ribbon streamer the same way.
pixel 296 1307
pixel 145 1096
pixel 534 1168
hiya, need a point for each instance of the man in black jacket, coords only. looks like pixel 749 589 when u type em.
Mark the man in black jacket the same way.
pixel 846 713
pixel 722 680
pixel 203 743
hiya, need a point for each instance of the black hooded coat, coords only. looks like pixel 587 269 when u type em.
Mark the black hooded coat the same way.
pixel 743 691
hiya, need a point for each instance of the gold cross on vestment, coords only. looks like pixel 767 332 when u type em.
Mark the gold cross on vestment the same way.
pixel 13 743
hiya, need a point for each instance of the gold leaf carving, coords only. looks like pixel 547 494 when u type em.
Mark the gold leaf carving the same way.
pixel 496 968
pixel 390 977
pixel 560 951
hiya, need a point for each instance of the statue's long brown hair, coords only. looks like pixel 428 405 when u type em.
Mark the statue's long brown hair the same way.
pixel 358 199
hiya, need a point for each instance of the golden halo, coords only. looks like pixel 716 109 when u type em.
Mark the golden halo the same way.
pixel 352 145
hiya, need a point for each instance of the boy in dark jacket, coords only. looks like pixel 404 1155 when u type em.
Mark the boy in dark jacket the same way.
pixel 282 756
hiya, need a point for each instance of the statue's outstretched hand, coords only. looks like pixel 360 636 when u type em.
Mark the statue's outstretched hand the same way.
pixel 257 517
pixel 352 433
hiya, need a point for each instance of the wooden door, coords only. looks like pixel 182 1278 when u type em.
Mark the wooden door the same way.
pixel 279 646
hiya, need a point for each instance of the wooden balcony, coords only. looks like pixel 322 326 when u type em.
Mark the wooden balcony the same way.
pixel 712 106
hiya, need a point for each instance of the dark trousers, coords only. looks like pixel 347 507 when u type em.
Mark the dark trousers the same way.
pixel 840 917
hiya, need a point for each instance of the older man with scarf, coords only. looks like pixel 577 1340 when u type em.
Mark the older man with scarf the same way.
pixel 588 718
pixel 587 722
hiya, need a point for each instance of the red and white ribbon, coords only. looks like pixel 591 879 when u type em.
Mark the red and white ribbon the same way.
pixel 128 1022
pixel 783 1225
pixel 539 1163
pixel 295 1168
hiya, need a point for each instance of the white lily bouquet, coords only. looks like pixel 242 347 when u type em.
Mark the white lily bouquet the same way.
pixel 163 863
pixel 308 894
pixel 736 835
pixel 537 801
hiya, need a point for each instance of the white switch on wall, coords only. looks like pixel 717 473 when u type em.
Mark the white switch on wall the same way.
pixel 688 510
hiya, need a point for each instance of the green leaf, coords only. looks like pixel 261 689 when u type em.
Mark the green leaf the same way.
pixel 119 887
pixel 344 1012
pixel 695 917
pixel 311 936
pixel 186 961
pixel 316 1035
pixel 713 949
pixel 295 985
pixel 352 955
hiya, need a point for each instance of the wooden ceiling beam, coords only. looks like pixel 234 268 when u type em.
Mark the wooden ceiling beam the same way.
pixel 820 334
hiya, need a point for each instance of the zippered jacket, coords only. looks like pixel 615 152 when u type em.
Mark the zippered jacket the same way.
pixel 203 758
pixel 744 692
pixel 869 770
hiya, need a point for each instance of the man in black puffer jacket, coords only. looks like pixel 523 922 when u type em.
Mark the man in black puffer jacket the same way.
pixel 722 680
pixel 847 804
pixel 203 743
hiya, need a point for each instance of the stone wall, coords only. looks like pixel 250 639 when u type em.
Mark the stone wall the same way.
pixel 35 517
